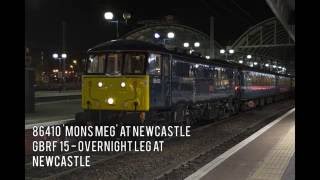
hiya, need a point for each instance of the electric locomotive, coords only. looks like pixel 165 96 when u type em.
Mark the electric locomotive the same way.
pixel 149 82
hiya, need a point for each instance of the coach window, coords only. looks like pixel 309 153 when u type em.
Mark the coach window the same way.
pixel 154 61
pixel 114 63
pixel 96 64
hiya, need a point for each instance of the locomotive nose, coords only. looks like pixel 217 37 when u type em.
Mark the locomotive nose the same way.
pixel 126 93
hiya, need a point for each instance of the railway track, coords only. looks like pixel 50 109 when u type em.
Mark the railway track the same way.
pixel 176 170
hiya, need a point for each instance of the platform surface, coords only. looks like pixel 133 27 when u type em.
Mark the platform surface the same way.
pixel 41 94
pixel 266 155
pixel 55 112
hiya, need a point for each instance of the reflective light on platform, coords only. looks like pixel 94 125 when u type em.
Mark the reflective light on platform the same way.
pixel 123 84
pixel 100 84
pixel 110 101
pixel 255 63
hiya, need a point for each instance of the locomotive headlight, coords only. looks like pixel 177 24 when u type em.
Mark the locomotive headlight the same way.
pixel 123 84
pixel 100 84
pixel 110 100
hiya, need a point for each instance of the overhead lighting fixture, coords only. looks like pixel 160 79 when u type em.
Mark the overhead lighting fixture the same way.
pixel 108 15
pixel 231 51
pixel 55 55
pixel 157 35
pixel 170 35
pixel 64 55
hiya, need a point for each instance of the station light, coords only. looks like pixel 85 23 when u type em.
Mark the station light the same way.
pixel 267 65
pixel 108 15
pixel 274 66
pixel 240 61
pixel 255 63
pixel 186 44
pixel 170 35
pixel 196 44
pixel 126 16
pixel 222 51
pixel 231 51
pixel 249 56
pixel 74 61
pixel 156 35
pixel 64 55
pixel 71 66
pixel 207 57
pixel 100 84
pixel 55 56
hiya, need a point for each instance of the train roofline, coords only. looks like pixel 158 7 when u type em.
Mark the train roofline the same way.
pixel 136 45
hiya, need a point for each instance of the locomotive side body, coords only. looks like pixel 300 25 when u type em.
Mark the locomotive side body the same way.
pixel 200 82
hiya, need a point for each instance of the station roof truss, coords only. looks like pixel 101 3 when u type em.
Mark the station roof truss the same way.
pixel 270 42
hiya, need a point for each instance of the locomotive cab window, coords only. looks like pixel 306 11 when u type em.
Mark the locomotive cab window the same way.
pixel 114 63
pixel 134 63
pixel 154 64
pixel 96 64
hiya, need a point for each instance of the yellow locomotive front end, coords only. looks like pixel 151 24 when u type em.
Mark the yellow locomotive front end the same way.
pixel 116 81
pixel 124 93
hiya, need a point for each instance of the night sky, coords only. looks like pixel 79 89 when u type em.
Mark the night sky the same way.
pixel 86 26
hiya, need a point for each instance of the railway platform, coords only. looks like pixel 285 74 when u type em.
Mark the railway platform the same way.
pixel 268 154
pixel 53 113
pixel 57 93
pixel 54 108
pixel 41 96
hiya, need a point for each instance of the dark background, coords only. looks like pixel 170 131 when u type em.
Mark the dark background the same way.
pixel 86 26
